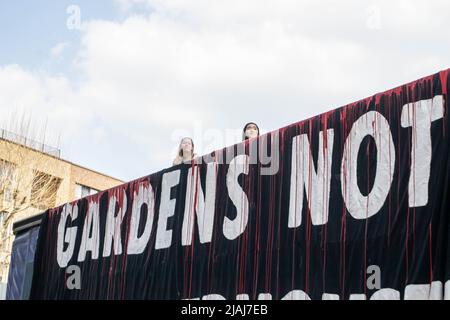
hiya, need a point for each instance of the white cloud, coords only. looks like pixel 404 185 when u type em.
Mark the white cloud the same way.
pixel 58 49
pixel 183 65
pixel 126 5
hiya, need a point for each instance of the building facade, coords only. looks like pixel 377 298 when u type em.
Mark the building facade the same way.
pixel 34 178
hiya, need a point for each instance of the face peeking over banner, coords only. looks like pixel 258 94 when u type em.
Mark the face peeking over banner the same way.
pixel 305 212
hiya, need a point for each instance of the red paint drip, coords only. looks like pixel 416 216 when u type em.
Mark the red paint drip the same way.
pixel 279 219
pixel 391 178
pixel 298 148
pixel 444 82
pixel 325 201
pixel 444 77
pixel 196 177
pixel 367 213
pixel 308 212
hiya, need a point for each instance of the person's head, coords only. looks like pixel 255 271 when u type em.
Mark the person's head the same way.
pixel 186 147
pixel 251 130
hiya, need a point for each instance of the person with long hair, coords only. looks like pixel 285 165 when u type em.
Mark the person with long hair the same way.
pixel 251 130
pixel 185 151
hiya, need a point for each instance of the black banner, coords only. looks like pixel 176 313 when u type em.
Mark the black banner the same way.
pixel 351 204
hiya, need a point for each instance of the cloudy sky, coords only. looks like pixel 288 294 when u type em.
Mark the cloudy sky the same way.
pixel 115 84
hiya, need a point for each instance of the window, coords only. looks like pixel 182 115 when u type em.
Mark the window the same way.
pixel 82 191
pixel 2 218
pixel 44 190
pixel 7 176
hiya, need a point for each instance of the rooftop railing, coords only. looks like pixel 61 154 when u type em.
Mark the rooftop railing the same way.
pixel 10 136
